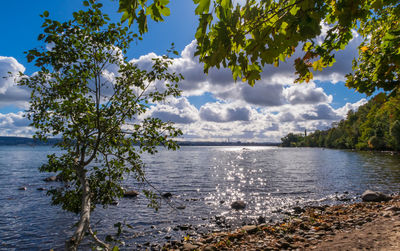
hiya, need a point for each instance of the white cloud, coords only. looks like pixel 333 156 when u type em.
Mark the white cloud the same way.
pixel 306 94
pixel 350 106
pixel 177 110
pixel 266 112
pixel 321 112
pixel 15 124
pixel 8 65
pixel 217 112
pixel 10 93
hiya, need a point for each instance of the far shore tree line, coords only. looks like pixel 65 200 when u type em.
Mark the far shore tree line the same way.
pixel 374 126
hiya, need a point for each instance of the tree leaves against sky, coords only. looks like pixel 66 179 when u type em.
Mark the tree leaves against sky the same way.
pixel 246 38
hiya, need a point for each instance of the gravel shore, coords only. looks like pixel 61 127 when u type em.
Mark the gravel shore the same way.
pixel 358 226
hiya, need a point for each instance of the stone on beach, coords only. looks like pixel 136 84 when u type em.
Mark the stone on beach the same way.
pixel 251 229
pixel 189 247
pixel 372 196
pixel 314 227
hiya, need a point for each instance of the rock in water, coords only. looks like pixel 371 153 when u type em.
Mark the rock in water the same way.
pixel 59 177
pixel 51 178
pixel 131 193
pixel 298 210
pixel 238 205
pixel 372 196
pixel 167 195
pixel 23 188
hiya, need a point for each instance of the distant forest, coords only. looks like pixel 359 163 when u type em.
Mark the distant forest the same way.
pixel 374 126
pixel 12 141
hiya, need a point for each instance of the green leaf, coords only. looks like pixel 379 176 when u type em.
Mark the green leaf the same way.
pixel 294 10
pixel 307 46
pixel 165 11
pixel 85 3
pixel 125 16
pixel 203 6
pixel 46 14
pixel 41 36
pixel 226 4
pixel 318 65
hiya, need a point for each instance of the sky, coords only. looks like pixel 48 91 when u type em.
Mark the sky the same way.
pixel 212 107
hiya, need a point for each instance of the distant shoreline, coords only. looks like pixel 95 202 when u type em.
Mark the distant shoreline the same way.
pixel 21 141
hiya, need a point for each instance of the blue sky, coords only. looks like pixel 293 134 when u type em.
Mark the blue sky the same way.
pixel 212 107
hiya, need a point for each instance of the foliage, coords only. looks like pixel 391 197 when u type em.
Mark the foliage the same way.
pixel 292 140
pixel 376 126
pixel 76 96
pixel 246 38
pixel 138 10
pixel 395 133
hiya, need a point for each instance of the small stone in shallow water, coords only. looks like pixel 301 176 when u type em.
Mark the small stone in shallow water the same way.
pixel 114 203
pixel 298 210
pixel 372 196
pixel 238 205
pixel 167 195
pixel 50 179
pixel 131 194
pixel 261 220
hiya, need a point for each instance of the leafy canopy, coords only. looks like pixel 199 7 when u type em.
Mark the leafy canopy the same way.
pixel 90 95
pixel 260 32
pixel 374 126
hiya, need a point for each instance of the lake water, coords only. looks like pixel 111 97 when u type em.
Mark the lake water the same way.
pixel 205 180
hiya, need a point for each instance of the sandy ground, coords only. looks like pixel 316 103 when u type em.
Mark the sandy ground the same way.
pixel 381 234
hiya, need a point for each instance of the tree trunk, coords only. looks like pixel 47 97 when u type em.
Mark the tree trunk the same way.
pixel 84 221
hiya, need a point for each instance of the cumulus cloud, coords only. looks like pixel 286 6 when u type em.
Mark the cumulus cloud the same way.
pixel 10 93
pixel 321 112
pixel 350 106
pixel 15 124
pixel 306 94
pixel 263 94
pixel 266 112
pixel 217 112
pixel 177 110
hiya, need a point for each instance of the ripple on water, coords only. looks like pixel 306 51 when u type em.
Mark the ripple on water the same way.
pixel 203 180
